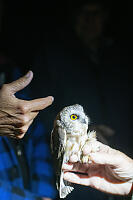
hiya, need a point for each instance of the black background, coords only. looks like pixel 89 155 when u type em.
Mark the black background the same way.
pixel 26 22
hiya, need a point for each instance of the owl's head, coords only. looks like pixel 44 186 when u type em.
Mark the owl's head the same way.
pixel 74 119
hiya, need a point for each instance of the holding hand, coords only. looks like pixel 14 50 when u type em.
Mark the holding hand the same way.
pixel 17 115
pixel 110 170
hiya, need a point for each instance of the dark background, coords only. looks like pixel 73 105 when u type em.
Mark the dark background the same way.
pixel 26 22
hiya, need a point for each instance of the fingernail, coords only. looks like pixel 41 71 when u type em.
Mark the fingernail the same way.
pixel 67 166
pixel 52 98
pixel 28 74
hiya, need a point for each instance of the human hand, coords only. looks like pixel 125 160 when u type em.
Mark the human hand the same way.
pixel 110 170
pixel 17 115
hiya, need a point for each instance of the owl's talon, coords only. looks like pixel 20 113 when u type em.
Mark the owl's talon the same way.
pixel 85 159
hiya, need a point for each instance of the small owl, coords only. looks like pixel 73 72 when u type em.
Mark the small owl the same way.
pixel 68 137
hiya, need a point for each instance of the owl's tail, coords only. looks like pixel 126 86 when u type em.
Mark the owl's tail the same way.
pixel 65 187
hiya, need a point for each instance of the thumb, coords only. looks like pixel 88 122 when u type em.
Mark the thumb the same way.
pixel 21 83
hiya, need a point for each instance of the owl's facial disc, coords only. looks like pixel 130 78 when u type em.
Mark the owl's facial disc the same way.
pixel 83 121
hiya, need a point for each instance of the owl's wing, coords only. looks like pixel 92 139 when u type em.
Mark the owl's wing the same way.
pixel 58 144
pixel 58 141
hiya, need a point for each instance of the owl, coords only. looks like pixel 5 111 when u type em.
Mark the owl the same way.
pixel 68 137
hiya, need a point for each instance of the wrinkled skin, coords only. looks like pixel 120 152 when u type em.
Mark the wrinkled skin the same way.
pixel 17 115
pixel 109 171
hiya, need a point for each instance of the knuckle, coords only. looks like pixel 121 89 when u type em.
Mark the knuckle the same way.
pixel 21 136
pixel 23 130
pixel 24 120
pixel 22 108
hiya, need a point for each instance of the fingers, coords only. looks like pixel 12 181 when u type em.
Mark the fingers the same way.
pixel 105 158
pixel 19 84
pixel 67 167
pixel 76 167
pixel 38 104
pixel 21 131
pixel 17 126
pixel 25 119
pixel 11 131
pixel 18 120
pixel 119 188
pixel 112 157
pixel 90 148
pixel 99 183
pixel 100 148
pixel 24 124
pixel 105 154
pixel 100 155
pixel 6 130
pixel 76 178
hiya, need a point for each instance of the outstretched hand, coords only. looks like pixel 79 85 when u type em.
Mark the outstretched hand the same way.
pixel 109 171
pixel 17 115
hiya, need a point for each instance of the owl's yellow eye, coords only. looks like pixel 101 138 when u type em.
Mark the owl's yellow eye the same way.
pixel 74 117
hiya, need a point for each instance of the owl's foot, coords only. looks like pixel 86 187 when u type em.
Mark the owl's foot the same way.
pixel 89 147
pixel 74 158
pixel 85 159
